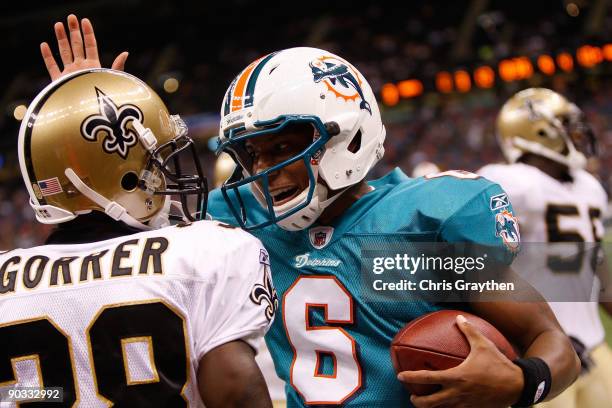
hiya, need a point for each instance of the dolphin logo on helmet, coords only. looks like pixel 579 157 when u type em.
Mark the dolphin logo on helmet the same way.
pixel 339 73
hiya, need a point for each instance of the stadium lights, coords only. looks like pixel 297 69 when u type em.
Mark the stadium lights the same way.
pixel 524 67
pixel 565 61
pixel 19 112
pixel 484 77
pixel 607 52
pixel 390 94
pixel 546 64
pixel 171 85
pixel 410 88
pixel 507 70
pixel 510 69
pixel 515 69
pixel 444 82
pixel 588 56
pixel 463 83
pixel 572 9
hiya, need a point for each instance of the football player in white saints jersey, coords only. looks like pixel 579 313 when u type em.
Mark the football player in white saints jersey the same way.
pixel 546 141
pixel 118 308
pixel 224 167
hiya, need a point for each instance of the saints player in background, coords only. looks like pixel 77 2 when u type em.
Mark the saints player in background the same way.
pixel 114 308
pixel 546 141
pixel 304 128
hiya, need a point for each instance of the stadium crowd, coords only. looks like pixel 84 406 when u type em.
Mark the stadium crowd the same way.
pixel 453 136
pixel 454 131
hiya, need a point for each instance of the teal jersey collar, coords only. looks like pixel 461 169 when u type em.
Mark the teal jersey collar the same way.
pixel 359 208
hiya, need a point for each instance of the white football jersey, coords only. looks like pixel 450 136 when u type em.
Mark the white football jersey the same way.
pixel 549 210
pixel 127 320
pixel 276 386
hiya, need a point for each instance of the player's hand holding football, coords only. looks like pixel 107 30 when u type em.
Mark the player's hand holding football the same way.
pixel 485 379
pixel 78 52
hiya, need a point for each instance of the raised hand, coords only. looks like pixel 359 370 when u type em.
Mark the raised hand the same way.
pixel 80 52
pixel 486 379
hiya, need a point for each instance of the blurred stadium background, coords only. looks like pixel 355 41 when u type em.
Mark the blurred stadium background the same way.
pixel 441 70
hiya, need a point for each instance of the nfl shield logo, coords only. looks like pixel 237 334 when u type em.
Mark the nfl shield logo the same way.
pixel 319 239
pixel 320 236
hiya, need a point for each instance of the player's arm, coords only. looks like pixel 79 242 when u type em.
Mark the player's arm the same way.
pixel 530 325
pixel 237 310
pixel 77 51
pixel 533 328
pixel 228 376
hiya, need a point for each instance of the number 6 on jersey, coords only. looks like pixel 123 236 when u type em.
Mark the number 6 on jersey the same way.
pixel 310 343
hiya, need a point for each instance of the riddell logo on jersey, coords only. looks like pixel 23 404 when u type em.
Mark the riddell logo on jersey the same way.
pixel 304 260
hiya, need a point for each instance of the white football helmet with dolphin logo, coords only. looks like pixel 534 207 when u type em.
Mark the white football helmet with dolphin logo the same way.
pixel 301 85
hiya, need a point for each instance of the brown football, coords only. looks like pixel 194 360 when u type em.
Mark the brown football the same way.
pixel 435 342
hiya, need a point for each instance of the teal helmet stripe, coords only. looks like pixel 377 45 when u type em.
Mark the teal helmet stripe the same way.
pixel 228 96
pixel 250 88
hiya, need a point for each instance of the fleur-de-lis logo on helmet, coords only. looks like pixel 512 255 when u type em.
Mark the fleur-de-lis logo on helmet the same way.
pixel 266 293
pixel 113 120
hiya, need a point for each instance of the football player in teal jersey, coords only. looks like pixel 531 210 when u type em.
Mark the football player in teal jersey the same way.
pixel 304 128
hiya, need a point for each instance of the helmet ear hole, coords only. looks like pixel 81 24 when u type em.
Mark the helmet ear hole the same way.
pixel 129 181
pixel 542 133
pixel 355 144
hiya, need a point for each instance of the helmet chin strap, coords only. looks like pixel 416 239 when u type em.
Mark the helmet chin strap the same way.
pixel 574 159
pixel 161 219
pixel 305 217
pixel 111 208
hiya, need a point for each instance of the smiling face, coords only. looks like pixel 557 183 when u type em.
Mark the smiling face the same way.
pixel 267 151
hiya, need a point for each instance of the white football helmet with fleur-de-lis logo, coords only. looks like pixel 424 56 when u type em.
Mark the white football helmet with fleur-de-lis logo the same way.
pixel 112 121
pixel 102 140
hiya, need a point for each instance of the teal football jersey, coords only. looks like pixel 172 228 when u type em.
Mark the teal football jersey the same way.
pixel 330 344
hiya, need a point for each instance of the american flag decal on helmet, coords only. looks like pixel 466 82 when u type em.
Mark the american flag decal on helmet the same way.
pixel 50 187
